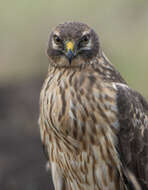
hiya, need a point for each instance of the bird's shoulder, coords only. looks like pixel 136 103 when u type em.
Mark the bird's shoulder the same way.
pixel 133 133
pixel 106 69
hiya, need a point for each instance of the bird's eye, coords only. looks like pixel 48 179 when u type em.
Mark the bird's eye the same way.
pixel 57 39
pixel 85 38
pixel 84 41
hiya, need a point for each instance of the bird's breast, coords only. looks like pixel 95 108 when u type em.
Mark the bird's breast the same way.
pixel 80 114
pixel 79 105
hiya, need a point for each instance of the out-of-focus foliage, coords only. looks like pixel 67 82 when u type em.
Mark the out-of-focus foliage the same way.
pixel 25 25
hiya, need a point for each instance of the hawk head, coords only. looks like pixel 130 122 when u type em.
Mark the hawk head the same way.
pixel 72 44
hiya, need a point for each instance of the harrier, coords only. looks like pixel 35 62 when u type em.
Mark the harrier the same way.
pixel 93 126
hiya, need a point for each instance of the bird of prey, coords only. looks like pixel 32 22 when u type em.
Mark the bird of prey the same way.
pixel 93 126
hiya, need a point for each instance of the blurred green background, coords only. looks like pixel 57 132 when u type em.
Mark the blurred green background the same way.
pixel 24 29
pixel 25 25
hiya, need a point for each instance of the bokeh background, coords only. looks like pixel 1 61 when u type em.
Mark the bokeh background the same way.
pixel 24 29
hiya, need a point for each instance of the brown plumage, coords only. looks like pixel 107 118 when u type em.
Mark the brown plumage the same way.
pixel 94 128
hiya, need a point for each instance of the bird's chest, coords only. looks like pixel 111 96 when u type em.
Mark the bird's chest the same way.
pixel 79 106
pixel 58 105
pixel 79 114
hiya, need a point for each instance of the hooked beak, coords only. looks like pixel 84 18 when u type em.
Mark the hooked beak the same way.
pixel 70 51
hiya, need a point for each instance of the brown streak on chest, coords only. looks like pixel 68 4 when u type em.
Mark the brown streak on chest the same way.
pixel 78 123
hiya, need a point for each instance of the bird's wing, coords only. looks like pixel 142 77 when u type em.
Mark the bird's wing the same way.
pixel 133 134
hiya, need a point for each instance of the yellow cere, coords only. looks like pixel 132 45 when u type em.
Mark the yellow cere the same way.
pixel 69 45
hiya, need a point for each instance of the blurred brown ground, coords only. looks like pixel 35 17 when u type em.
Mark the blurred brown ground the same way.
pixel 22 163
pixel 24 27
